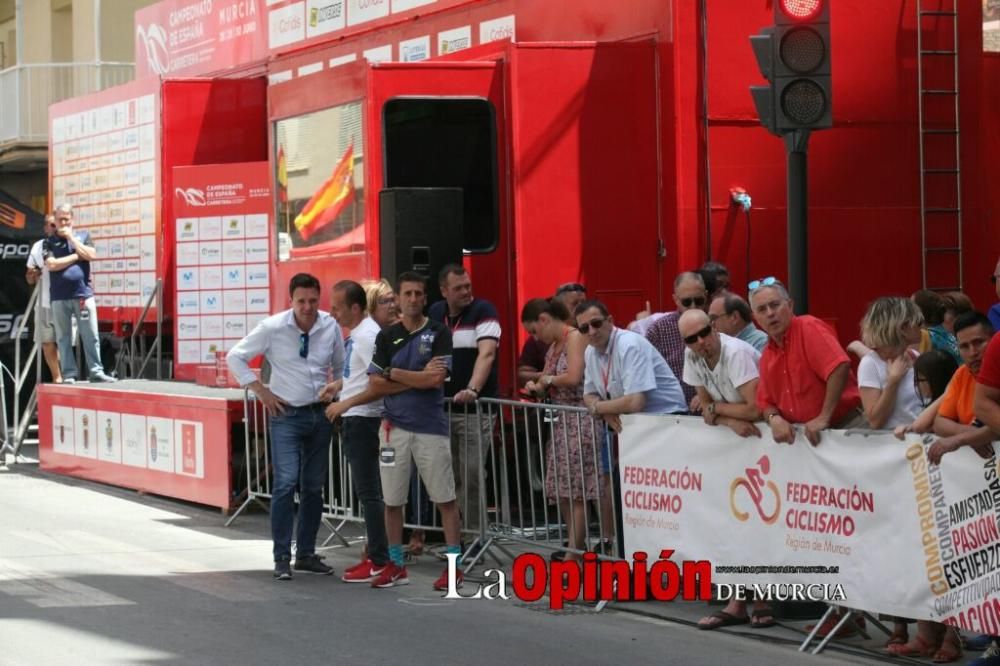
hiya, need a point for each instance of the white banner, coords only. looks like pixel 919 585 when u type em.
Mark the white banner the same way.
pixel 906 538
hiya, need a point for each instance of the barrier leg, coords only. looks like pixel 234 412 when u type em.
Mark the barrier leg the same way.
pixel 830 610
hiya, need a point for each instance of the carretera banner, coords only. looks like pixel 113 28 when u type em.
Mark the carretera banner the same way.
pixel 192 37
pixel 863 514
pixel 223 257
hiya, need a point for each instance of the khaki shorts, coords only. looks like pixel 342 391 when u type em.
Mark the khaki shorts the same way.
pixel 432 455
pixel 45 330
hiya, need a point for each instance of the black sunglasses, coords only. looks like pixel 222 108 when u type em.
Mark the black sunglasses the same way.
pixel 593 323
pixel 696 301
pixel 703 333
pixel 993 279
pixel 304 345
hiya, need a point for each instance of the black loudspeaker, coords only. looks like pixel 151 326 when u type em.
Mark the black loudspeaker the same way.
pixel 421 231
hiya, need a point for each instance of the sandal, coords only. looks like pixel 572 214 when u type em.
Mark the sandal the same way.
pixel 757 623
pixel 950 649
pixel 916 647
pixel 724 620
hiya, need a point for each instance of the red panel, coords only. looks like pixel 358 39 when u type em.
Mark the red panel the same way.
pixel 192 462
pixel 180 37
pixel 585 172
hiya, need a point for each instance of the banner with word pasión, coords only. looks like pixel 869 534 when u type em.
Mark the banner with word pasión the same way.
pixel 903 537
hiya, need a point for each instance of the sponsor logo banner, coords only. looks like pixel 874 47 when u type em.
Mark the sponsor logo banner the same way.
pixel 868 504
pixel 193 37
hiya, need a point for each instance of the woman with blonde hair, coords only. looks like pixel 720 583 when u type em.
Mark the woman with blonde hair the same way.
pixel 885 374
pixel 382 305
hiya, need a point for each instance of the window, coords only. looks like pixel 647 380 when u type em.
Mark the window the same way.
pixel 447 143
pixel 319 159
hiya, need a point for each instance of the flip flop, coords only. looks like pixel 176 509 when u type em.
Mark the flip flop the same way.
pixel 724 620
pixel 757 623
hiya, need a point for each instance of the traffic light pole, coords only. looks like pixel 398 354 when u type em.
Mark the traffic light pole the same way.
pixel 796 151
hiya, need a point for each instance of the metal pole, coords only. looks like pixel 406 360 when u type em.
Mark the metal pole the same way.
pixel 796 148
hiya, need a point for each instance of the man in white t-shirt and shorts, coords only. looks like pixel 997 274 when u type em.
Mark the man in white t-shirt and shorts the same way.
pixel 45 330
pixel 723 371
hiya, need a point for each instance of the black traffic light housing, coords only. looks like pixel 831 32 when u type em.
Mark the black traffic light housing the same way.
pixel 794 56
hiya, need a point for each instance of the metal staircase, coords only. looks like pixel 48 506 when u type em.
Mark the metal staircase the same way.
pixel 940 154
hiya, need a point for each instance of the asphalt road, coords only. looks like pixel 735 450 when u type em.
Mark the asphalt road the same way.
pixel 93 575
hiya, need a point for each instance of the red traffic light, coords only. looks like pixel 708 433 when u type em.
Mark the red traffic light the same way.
pixel 801 10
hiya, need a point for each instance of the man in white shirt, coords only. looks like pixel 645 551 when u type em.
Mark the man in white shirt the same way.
pixel 45 330
pixel 360 423
pixel 304 348
pixel 723 372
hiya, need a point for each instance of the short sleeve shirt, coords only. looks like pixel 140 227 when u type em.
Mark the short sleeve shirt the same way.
pixel 415 410
pixel 478 321
pixel 793 375
pixel 631 365
pixel 533 354
pixel 74 280
pixel 665 336
pixel 36 259
pixel 873 372
pixel 736 366
pixel 359 349
pixel 958 401
pixel 989 372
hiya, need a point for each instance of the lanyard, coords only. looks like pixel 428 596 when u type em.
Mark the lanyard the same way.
pixel 458 320
pixel 606 370
pixel 555 357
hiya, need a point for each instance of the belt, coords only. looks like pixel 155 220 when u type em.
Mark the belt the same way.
pixel 312 405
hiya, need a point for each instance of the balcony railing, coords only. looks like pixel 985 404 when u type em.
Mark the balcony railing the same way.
pixel 26 91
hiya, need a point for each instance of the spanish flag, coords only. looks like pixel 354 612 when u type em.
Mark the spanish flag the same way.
pixel 330 200
pixel 282 176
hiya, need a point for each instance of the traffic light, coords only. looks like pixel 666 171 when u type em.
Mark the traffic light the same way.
pixel 794 56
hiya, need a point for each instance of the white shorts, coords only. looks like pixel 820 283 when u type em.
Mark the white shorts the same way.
pixel 432 455
pixel 45 330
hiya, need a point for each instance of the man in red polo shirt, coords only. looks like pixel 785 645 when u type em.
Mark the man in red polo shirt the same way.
pixel 987 400
pixel 805 375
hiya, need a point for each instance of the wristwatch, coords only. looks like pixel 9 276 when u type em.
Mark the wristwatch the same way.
pixel 387 372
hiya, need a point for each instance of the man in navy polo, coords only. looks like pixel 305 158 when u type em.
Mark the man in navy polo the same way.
pixel 409 368
pixel 475 333
pixel 68 257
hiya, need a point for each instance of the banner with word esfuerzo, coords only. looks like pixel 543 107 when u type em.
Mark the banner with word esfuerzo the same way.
pixel 907 538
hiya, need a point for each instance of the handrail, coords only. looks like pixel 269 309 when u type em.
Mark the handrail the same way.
pixel 158 295
pixel 20 375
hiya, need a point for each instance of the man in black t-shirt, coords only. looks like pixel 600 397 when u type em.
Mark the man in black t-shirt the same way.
pixel 475 333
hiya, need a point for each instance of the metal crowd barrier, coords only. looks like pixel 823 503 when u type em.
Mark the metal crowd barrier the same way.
pixel 520 469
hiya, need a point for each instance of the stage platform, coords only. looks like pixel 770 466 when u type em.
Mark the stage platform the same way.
pixel 164 437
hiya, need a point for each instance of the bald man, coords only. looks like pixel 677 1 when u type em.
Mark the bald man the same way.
pixel 723 372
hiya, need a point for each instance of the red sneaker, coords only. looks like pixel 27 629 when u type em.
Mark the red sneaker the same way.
pixel 441 584
pixel 391 576
pixel 365 572
pixel 363 563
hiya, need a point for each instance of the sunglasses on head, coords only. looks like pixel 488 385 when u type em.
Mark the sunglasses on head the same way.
pixel 763 282
pixel 592 324
pixel 696 301
pixel 304 345
pixel 703 333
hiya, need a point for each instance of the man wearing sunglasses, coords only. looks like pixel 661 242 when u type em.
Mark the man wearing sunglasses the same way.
pixel 723 371
pixel 45 330
pixel 689 293
pixel 623 373
pixel 303 347
pixel 805 375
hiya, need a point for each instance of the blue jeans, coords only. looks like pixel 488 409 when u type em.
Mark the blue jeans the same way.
pixel 63 313
pixel 360 438
pixel 300 450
